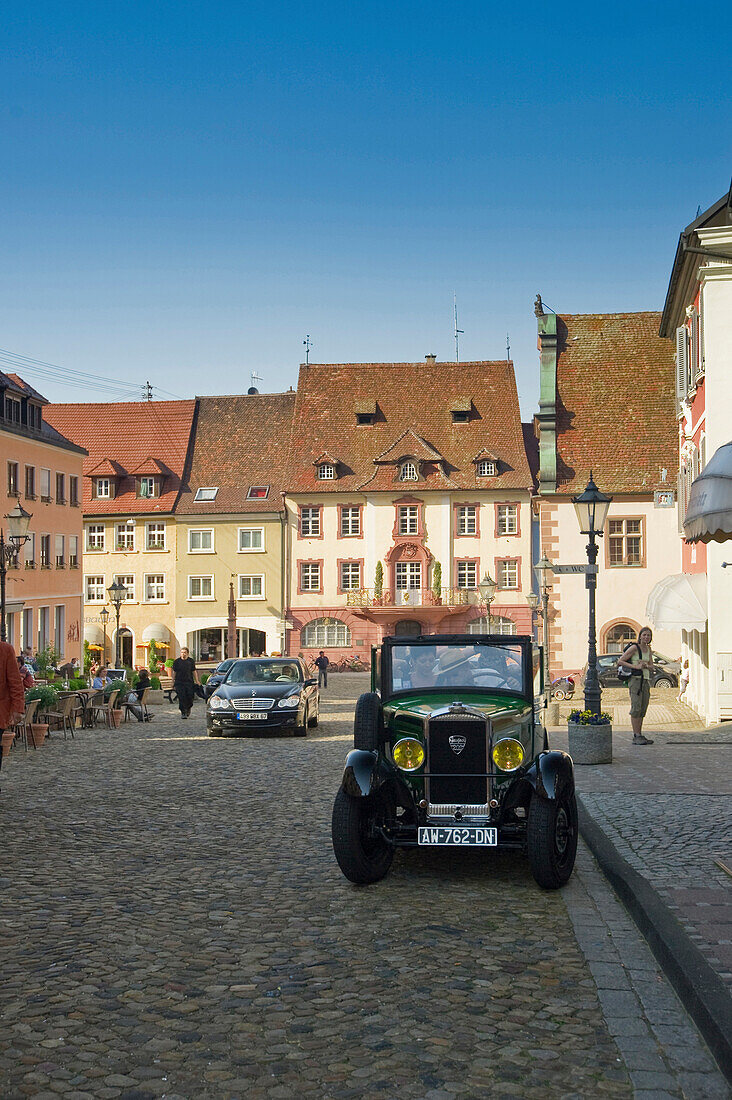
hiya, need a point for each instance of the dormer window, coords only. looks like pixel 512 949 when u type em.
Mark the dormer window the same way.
pixel 12 410
pixel 487 468
pixel 460 410
pixel 208 493
pixel 103 488
pixel 326 471
pixel 147 487
pixel 408 472
pixel 459 416
pixel 364 418
pixel 365 412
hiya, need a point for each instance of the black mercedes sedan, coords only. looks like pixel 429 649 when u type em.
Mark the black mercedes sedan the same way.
pixel 264 695
pixel 217 676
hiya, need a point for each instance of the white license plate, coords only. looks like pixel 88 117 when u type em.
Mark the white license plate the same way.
pixel 468 835
pixel 250 716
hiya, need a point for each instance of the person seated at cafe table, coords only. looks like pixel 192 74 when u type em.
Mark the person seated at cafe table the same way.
pixel 26 674
pixel 100 678
pixel 143 681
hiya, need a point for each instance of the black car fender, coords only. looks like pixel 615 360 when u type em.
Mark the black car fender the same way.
pixel 364 773
pixel 552 774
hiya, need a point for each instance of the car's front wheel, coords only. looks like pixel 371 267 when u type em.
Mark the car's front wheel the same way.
pixel 314 719
pixel 363 856
pixel 302 730
pixel 552 839
pixel 663 682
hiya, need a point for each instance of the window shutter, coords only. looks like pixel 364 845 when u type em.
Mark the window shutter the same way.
pixel 699 365
pixel 682 364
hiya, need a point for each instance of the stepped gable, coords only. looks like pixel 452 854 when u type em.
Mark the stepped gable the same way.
pixel 125 435
pixel 616 412
pixel 413 406
pixel 241 442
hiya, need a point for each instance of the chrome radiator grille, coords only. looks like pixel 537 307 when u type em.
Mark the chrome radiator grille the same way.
pixel 252 704
pixel 447 809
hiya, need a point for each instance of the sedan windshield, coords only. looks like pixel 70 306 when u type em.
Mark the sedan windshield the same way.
pixel 484 667
pixel 263 672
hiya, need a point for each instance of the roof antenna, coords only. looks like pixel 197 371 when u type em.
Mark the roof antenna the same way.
pixel 508 349
pixel 147 392
pixel 307 345
pixel 458 331
pixel 253 388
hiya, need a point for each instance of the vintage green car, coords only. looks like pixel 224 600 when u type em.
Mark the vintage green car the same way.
pixel 449 749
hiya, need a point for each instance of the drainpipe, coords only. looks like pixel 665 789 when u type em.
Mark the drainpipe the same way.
pixel 285 580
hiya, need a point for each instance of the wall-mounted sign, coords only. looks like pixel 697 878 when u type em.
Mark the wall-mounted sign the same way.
pixel 663 498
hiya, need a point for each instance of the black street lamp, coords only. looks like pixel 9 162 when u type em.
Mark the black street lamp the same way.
pixel 18 521
pixel 117 595
pixel 592 507
pixel 487 589
pixel 104 617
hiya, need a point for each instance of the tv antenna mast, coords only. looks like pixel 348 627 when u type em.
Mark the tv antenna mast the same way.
pixel 255 378
pixel 307 345
pixel 147 391
pixel 458 331
pixel 508 349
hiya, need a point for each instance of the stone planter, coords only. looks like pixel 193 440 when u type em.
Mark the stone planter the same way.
pixel 155 698
pixel 590 744
pixel 115 717
pixel 38 731
pixel 8 739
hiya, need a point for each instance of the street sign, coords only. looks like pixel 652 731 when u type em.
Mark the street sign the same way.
pixel 574 569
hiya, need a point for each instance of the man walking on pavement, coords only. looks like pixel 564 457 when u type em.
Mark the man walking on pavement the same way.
pixel 185 678
pixel 12 698
pixel 321 662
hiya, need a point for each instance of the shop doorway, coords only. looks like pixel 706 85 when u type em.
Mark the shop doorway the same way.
pixel 125 647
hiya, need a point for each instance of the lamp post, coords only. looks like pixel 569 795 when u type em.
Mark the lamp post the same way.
pixel 542 567
pixel 487 589
pixel 18 521
pixel 117 595
pixel 104 617
pixel 592 507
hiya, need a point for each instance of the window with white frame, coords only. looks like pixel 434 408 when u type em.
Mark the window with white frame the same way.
pixel 103 488
pixel 498 625
pixel 155 587
pixel 507 519
pixel 200 540
pixel 408 575
pixel 30 550
pixel 124 536
pixel 95 537
pixel 128 580
pixel 154 536
pixel 625 541
pixel 146 487
pixel 486 468
pixel 350 575
pixel 507 573
pixel 251 586
pixel 467 519
pixel 467 574
pixel 408 472
pixel 74 551
pixel 408 518
pixel 45 485
pixel 200 588
pixel 251 539
pixel 310 522
pixel 350 520
pixel 310 576
pixel 320 634
pixel 59 542
pixel 207 493
pixel 326 471
pixel 257 492
pixel 94 589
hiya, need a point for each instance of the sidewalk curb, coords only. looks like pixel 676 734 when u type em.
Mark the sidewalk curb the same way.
pixel 702 992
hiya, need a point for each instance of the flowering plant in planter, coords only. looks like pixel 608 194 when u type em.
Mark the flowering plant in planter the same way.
pixel 587 718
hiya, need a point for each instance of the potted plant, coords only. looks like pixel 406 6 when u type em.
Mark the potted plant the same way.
pixel 7 742
pixel 378 582
pixel 47 700
pixel 590 737
pixel 437 583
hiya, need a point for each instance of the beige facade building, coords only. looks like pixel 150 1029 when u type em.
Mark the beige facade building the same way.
pixel 43 472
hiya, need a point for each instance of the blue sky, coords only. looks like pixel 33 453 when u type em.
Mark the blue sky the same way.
pixel 189 189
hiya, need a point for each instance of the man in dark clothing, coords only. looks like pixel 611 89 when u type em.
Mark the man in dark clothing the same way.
pixel 321 662
pixel 185 678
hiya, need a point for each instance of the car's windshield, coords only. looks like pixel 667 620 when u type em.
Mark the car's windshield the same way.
pixel 486 667
pixel 263 672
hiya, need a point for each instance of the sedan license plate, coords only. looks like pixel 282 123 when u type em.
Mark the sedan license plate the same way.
pixel 468 835
pixel 250 716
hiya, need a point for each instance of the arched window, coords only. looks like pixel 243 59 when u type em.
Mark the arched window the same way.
pixel 498 625
pixel 619 638
pixel 321 633
pixel 326 472
pixel 486 468
pixel 408 472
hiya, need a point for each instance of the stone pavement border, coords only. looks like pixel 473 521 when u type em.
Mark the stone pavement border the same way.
pixel 700 988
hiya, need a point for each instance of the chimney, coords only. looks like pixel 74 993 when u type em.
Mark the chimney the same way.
pixel 431 359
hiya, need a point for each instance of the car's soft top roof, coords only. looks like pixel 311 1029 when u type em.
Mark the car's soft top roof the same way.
pixel 458 639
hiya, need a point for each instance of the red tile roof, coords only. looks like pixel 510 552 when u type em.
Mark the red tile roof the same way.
pixel 413 417
pixel 240 441
pixel 127 434
pixel 616 411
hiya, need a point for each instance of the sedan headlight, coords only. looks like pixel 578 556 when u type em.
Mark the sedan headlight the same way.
pixel 408 754
pixel 508 754
pixel 217 702
pixel 290 701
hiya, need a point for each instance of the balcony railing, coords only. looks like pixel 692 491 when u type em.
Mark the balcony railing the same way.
pixel 412 597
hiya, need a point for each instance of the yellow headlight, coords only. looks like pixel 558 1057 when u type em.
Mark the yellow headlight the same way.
pixel 508 754
pixel 408 754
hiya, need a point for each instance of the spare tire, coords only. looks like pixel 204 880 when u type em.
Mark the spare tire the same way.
pixel 368 722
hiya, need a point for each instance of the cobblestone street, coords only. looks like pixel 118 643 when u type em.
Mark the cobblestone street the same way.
pixel 174 924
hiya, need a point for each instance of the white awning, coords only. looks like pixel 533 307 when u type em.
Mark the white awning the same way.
pixel 93 634
pixel 679 602
pixel 155 632
pixel 709 513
